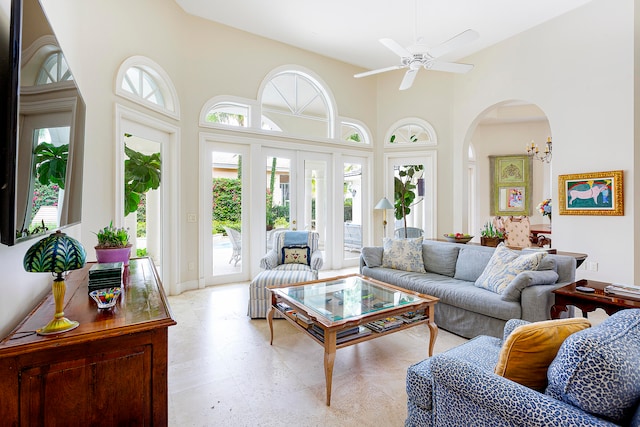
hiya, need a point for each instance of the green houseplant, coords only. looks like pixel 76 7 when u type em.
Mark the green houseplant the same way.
pixel 405 185
pixel 113 244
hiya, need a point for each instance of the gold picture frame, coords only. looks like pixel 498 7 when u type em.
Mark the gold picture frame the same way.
pixel 592 193
pixel 511 184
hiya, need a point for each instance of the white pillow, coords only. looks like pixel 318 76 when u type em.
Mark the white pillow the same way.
pixel 504 266
pixel 403 254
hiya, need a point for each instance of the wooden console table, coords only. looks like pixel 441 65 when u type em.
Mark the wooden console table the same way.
pixel 587 302
pixel 111 370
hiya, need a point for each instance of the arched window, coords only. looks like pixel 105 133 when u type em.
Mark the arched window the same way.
pixel 298 104
pixel 229 114
pixel 145 82
pixel 354 132
pixel 54 69
pixel 411 131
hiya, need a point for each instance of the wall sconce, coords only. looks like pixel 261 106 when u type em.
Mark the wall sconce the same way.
pixel 384 204
pixel 534 151
pixel 56 254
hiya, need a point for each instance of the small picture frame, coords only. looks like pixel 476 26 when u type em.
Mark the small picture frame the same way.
pixel 510 185
pixel 592 193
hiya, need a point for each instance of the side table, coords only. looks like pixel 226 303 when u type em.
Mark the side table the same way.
pixel 587 302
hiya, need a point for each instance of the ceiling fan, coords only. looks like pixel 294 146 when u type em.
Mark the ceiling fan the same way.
pixel 420 55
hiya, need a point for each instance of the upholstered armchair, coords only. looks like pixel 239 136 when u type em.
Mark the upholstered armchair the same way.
pixel 293 251
pixel 592 380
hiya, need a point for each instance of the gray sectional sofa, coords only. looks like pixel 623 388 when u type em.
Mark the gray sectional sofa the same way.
pixel 464 308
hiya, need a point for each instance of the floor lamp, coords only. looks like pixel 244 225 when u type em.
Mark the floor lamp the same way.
pixel 384 204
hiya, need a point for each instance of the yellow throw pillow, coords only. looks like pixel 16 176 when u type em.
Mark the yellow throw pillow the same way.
pixel 529 350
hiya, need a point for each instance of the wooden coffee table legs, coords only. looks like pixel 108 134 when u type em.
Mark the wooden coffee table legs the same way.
pixel 433 329
pixel 329 358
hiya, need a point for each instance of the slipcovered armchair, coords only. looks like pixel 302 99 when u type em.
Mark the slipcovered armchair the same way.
pixel 293 251
pixel 593 378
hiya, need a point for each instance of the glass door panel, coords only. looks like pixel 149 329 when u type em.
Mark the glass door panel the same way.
pixel 226 212
pixel 313 212
pixel 352 212
pixel 278 195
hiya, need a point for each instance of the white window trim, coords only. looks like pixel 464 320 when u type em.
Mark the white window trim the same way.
pixel 361 127
pixel 250 104
pixel 433 137
pixel 172 105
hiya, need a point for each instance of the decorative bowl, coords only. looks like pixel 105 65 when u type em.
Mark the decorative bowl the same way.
pixel 105 298
pixel 452 238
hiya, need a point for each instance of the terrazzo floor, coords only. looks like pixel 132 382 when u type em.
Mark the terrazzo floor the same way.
pixel 223 372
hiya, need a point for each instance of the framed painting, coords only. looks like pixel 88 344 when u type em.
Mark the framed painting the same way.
pixel 594 193
pixel 510 185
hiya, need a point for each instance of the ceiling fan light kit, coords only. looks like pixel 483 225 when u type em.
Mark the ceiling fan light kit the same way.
pixel 420 56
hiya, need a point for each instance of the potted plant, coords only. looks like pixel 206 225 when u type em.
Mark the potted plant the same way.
pixel 405 185
pixel 490 235
pixel 113 245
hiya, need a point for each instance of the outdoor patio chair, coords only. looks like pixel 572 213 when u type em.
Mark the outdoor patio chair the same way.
pixel 236 243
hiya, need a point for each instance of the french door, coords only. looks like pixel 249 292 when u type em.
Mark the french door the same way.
pixel 297 192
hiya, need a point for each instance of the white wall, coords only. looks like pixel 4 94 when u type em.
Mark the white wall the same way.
pixel 579 69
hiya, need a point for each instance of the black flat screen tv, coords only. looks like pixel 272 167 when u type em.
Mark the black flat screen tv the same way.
pixel 42 127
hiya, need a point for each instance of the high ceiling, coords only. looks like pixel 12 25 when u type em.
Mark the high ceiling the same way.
pixel 349 30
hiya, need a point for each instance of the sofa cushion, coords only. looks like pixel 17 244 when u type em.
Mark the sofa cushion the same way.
pixel 528 351
pixel 471 263
pixel 597 369
pixel 528 278
pixel 403 254
pixel 504 266
pixel 372 256
pixel 440 259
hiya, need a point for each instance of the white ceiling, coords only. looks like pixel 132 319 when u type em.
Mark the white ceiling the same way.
pixel 349 30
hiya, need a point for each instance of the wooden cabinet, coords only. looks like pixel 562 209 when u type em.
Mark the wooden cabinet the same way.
pixel 111 370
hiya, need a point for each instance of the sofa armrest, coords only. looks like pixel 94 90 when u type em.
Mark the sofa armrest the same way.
pixel 536 301
pixel 461 389
pixel 511 325
pixel 316 260
pixel 270 260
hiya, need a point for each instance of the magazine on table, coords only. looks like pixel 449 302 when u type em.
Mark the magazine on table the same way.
pixel 632 291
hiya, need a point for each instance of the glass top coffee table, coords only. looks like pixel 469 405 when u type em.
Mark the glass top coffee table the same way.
pixel 346 310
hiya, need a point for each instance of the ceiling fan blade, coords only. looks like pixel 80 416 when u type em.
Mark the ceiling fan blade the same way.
pixel 381 70
pixel 392 45
pixel 453 43
pixel 451 67
pixel 408 79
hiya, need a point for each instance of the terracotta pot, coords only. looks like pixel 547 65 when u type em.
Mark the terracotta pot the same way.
pixel 113 255
pixel 490 241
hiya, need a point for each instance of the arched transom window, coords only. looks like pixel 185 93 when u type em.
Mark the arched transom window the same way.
pixel 54 69
pixel 297 104
pixel 411 131
pixel 142 84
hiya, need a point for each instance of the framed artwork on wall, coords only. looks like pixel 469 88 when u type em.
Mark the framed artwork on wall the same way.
pixel 510 185
pixel 593 193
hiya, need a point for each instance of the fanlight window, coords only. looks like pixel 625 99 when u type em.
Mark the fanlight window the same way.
pixel 353 133
pixel 410 134
pixel 229 114
pixel 297 104
pixel 54 69
pixel 142 84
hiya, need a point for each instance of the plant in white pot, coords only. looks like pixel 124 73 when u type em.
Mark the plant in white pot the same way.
pixel 113 244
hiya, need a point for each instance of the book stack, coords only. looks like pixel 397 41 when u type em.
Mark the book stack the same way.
pixel 631 291
pixel 105 275
pixel 341 336
pixel 385 324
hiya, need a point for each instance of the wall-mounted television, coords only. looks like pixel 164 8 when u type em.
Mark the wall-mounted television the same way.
pixel 42 152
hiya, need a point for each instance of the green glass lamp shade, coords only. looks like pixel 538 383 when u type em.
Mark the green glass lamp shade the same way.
pixel 56 253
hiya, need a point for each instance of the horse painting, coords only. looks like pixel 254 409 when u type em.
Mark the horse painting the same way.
pixel 591 193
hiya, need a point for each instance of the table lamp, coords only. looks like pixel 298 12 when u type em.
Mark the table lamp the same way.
pixel 384 204
pixel 56 254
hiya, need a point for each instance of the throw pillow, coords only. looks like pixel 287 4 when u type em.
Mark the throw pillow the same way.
pixel 440 259
pixel 525 279
pixel 528 351
pixel 296 255
pixel 471 263
pixel 403 254
pixel 597 369
pixel 372 256
pixel 504 266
